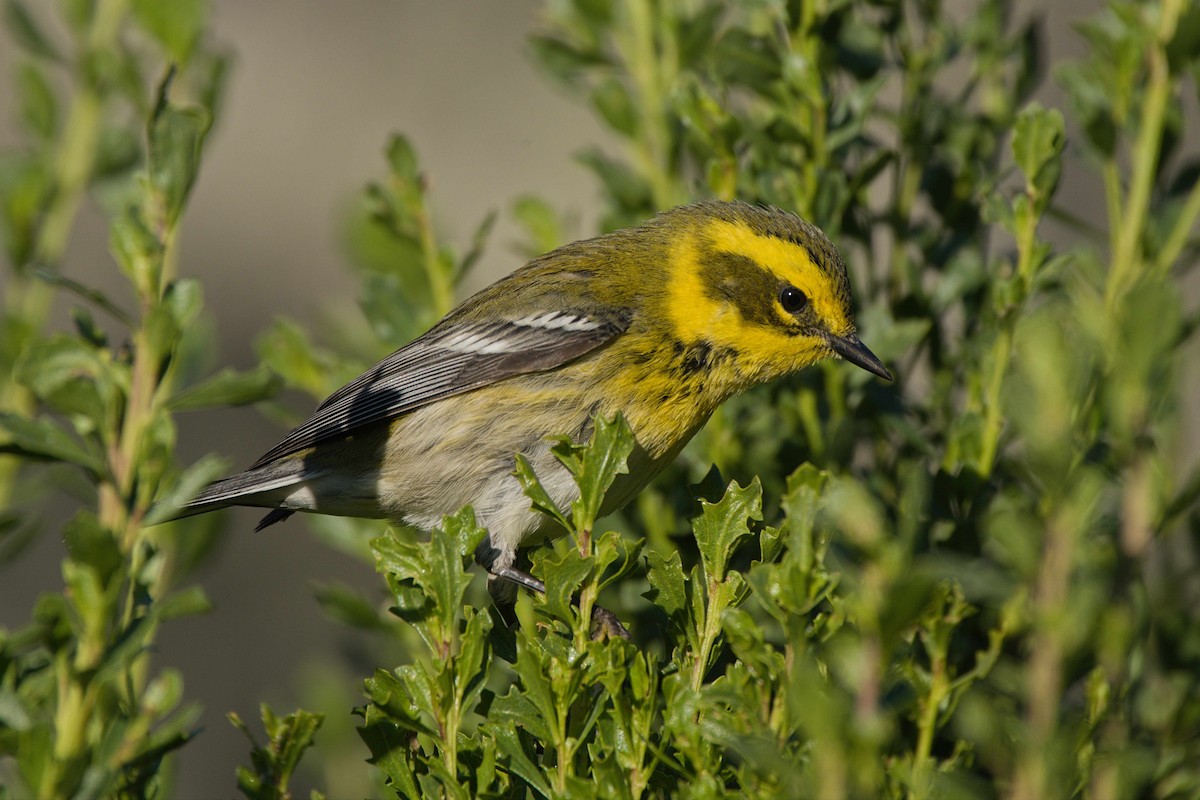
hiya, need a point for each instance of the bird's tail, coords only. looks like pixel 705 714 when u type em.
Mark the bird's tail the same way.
pixel 263 487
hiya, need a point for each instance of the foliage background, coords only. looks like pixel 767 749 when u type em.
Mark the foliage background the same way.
pixel 264 243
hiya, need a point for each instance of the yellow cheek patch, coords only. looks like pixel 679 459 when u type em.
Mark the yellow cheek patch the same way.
pixel 696 316
pixel 791 262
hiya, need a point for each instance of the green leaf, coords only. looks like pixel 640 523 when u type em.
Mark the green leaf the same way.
pixel 534 490
pixel 561 59
pixel 227 388
pixel 612 101
pixel 288 351
pixel 451 552
pixel 402 158
pixel 595 466
pixel 742 57
pixel 475 251
pixel 1037 144
pixel 25 30
pixel 721 525
pixel 349 607
pixel 44 439
pixel 390 748
pixel 72 377
pixel 520 762
pixel 667 584
pixel 801 503
pixel 39 107
pixel 473 662
pixel 13 713
pixel 177 25
pixel 92 545
pixel 563 576
pixel 275 762
pixel 391 698
pixel 186 603
pixel 185 487
pixel 136 249
pixel 541 223
pixel 176 137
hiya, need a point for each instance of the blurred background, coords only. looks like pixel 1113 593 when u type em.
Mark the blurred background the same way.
pixel 315 90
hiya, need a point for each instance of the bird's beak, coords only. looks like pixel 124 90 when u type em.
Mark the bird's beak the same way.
pixel 853 350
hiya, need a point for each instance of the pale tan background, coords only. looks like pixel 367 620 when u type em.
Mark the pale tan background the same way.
pixel 315 90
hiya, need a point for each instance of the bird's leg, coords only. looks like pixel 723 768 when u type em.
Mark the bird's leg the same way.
pixel 502 575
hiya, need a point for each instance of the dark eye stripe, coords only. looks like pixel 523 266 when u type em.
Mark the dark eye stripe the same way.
pixel 743 282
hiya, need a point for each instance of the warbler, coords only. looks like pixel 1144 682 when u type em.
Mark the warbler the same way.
pixel 662 322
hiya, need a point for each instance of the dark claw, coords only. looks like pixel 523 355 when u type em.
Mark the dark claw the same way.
pixel 604 622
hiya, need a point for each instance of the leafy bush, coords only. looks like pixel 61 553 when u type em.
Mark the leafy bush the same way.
pixel 978 582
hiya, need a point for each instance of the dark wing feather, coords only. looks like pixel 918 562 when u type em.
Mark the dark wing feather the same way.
pixel 452 358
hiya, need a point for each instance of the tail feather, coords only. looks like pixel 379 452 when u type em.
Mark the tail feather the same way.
pixel 275 515
pixel 266 487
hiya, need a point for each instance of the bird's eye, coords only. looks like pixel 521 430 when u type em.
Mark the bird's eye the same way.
pixel 792 299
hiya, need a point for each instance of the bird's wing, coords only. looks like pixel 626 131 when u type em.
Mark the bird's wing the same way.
pixel 452 358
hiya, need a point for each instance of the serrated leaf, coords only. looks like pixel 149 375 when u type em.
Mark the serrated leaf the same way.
pixel 596 465
pixel 392 699
pixel 534 490
pixel 800 504
pixel 519 763
pixel 448 578
pixel 471 666
pixel 392 555
pixel 613 548
pixel 516 708
pixel 720 526
pixel 667 584
pixel 563 576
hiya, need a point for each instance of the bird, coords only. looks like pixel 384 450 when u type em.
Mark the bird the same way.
pixel 662 323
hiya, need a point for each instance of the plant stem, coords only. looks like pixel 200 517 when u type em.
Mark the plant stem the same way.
pixel 939 688
pixel 1046 655
pixel 993 419
pixel 441 282
pixel 712 628
pixel 1127 258
pixel 649 70
pixel 1178 236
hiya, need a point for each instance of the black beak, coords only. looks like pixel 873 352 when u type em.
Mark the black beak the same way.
pixel 853 350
